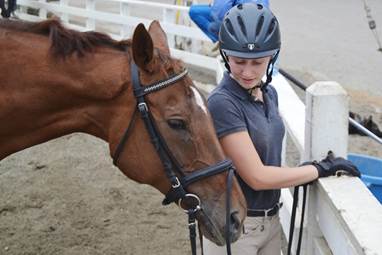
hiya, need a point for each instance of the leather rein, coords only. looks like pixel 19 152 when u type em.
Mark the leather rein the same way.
pixel 175 174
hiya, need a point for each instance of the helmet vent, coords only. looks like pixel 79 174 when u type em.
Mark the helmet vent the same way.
pixel 259 25
pixel 272 26
pixel 240 6
pixel 259 6
pixel 229 27
pixel 241 24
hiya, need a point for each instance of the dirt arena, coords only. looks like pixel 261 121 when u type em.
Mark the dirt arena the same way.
pixel 66 197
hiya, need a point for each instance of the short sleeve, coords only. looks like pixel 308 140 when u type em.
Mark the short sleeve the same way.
pixel 226 114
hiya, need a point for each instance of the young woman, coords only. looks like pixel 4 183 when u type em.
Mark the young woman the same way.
pixel 250 129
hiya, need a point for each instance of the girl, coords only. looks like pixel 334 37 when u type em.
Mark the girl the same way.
pixel 250 130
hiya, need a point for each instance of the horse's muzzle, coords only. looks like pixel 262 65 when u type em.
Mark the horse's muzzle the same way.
pixel 236 226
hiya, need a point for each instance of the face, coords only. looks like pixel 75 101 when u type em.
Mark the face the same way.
pixel 248 72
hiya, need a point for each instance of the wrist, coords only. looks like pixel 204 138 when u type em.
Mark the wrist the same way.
pixel 320 169
pixel 315 166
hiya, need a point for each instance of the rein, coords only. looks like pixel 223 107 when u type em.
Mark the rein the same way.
pixel 293 218
pixel 175 174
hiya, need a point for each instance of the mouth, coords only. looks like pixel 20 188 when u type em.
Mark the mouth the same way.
pixel 217 235
pixel 210 230
pixel 248 81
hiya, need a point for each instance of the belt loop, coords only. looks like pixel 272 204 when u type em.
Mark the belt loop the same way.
pixel 267 211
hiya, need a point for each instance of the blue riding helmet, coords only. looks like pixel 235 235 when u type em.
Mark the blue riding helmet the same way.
pixel 250 31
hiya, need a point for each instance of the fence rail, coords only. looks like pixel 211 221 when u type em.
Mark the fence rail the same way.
pixel 343 216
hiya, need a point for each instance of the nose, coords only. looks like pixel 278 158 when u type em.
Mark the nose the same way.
pixel 247 71
pixel 236 226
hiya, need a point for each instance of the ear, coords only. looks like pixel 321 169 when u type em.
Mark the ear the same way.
pixel 143 48
pixel 159 37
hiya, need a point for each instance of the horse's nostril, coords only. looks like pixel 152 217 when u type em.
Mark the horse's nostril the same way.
pixel 235 220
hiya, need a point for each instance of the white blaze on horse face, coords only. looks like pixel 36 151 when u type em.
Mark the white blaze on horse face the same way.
pixel 199 100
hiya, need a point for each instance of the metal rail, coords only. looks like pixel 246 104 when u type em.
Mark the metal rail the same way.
pixel 351 120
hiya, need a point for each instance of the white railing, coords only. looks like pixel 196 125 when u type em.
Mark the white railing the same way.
pixel 343 216
pixel 119 18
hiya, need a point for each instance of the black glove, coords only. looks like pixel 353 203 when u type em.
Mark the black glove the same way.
pixel 335 165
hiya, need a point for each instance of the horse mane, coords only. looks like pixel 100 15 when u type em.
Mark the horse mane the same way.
pixel 64 41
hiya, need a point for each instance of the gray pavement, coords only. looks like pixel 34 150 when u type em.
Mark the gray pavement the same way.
pixel 331 40
pixel 322 40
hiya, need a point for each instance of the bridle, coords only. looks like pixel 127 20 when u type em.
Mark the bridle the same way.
pixel 174 172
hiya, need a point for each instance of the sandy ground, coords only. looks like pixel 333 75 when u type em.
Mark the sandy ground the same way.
pixel 65 197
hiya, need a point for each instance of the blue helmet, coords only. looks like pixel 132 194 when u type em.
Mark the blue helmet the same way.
pixel 249 30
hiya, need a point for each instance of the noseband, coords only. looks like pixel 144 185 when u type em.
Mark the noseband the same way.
pixel 175 174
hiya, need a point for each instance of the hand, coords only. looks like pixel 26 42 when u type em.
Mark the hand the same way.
pixel 335 165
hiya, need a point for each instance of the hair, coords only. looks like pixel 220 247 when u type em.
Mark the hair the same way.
pixel 64 41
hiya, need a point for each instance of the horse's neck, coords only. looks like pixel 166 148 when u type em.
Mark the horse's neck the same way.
pixel 42 98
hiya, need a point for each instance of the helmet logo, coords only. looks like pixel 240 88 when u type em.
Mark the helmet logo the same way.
pixel 251 46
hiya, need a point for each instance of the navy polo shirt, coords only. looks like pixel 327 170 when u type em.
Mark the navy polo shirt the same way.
pixel 234 110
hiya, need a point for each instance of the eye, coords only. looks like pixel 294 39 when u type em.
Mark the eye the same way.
pixel 239 62
pixel 177 124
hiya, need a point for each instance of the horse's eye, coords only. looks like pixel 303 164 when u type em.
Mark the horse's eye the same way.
pixel 176 124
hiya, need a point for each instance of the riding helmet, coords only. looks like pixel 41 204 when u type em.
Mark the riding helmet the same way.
pixel 249 30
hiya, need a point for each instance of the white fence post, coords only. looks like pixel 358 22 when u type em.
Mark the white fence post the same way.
pixel 125 12
pixel 327 109
pixel 42 12
pixel 90 22
pixel 169 16
pixel 326 128
pixel 64 16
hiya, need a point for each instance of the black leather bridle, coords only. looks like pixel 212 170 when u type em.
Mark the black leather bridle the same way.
pixel 175 174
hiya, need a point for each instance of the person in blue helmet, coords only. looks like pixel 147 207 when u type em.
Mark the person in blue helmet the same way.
pixel 245 114
pixel 208 17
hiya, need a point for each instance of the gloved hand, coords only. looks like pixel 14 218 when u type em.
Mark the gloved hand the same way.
pixel 334 165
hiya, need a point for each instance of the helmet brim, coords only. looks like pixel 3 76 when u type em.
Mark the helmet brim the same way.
pixel 250 55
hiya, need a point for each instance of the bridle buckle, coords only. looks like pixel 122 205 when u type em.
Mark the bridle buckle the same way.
pixel 142 107
pixel 177 184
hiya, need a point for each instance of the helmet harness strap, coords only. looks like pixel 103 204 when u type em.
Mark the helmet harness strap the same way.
pixel 225 59
pixel 270 67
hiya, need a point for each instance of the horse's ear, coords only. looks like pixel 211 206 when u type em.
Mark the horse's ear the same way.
pixel 143 48
pixel 159 37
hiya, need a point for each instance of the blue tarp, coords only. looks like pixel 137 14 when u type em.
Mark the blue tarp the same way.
pixel 371 169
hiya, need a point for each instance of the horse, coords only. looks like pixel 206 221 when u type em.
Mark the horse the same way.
pixel 56 81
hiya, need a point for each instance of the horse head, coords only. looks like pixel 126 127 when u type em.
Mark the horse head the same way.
pixel 181 118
